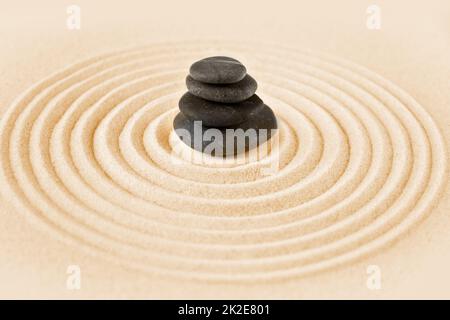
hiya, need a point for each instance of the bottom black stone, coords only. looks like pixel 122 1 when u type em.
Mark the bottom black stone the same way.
pixel 227 141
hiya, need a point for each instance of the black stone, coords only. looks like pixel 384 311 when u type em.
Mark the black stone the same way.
pixel 217 114
pixel 218 70
pixel 263 119
pixel 226 93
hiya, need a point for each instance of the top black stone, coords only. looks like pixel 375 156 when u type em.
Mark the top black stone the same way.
pixel 218 70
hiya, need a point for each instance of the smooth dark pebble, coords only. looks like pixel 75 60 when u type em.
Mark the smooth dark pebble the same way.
pixel 218 70
pixel 226 93
pixel 217 114
pixel 263 119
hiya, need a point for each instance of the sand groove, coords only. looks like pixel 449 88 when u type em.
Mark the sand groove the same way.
pixel 89 154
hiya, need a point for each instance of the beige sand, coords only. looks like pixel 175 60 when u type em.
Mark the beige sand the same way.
pixel 89 176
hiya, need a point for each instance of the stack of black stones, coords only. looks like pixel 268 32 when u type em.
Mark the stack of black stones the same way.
pixel 221 96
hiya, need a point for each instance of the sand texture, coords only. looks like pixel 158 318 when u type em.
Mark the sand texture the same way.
pixel 93 175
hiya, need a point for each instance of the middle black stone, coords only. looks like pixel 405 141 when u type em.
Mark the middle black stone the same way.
pixel 217 114
pixel 229 93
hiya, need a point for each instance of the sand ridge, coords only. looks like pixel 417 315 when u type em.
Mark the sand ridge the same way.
pixel 87 153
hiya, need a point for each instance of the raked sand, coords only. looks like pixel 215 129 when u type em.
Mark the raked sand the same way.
pixel 92 174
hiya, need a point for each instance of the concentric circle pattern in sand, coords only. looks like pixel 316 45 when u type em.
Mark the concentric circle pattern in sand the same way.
pixel 88 153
